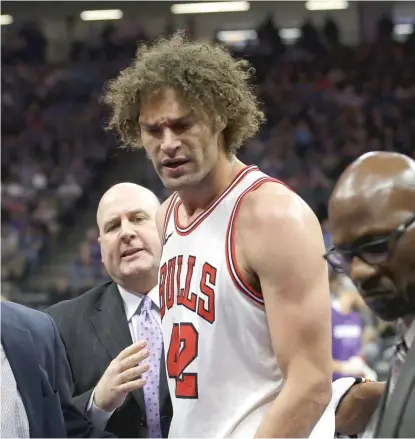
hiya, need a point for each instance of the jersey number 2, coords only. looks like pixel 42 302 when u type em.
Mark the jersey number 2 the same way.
pixel 183 349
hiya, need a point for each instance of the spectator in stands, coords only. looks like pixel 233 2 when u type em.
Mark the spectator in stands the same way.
pixel 62 290
pixel 30 242
pixel 347 330
pixel 92 236
pixel 9 242
pixel 86 271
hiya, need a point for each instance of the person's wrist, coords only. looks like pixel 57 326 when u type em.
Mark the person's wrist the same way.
pixel 98 403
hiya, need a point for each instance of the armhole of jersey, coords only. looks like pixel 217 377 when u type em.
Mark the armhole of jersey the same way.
pixel 234 272
pixel 233 269
pixel 169 211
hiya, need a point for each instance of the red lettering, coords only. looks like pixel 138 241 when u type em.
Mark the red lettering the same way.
pixel 183 349
pixel 179 274
pixel 162 287
pixel 208 276
pixel 189 298
pixel 170 283
pixel 170 291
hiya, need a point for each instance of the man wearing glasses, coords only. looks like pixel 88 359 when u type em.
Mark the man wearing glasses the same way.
pixel 372 220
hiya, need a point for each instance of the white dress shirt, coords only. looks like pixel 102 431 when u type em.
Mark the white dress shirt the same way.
pixel 131 302
pixel 14 422
pixel 409 332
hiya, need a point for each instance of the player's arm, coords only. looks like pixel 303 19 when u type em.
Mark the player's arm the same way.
pixel 282 245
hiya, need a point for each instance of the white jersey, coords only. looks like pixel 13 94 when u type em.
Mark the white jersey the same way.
pixel 221 368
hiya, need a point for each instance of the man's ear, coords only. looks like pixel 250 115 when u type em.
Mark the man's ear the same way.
pixel 220 123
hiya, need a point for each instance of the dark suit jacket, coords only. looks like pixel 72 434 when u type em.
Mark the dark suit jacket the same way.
pixel 38 361
pixel 95 330
pixel 397 419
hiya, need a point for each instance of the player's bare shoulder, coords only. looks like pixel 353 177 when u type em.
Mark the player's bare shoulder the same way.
pixel 273 221
pixel 275 224
pixel 275 207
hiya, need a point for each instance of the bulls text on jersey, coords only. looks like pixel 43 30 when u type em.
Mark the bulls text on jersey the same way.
pixel 184 341
pixel 172 292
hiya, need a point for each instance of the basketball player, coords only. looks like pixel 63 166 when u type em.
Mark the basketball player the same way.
pixel 244 293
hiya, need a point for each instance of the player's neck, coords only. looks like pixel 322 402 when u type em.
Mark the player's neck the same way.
pixel 200 197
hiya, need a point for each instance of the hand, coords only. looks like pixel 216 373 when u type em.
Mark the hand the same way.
pixel 354 366
pixel 356 408
pixel 120 377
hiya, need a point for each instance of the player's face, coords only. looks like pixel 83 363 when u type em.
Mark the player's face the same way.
pixel 130 245
pixel 182 145
pixel 385 276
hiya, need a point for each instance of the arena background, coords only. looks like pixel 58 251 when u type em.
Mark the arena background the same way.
pixel 335 78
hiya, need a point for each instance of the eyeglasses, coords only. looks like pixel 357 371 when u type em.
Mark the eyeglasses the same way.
pixel 374 253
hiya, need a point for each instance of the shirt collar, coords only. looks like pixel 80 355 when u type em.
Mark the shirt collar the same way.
pixel 407 331
pixel 132 301
pixel 410 334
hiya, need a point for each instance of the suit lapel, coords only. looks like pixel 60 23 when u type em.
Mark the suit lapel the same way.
pixel 21 353
pixel 112 329
pixel 389 422
pixel 381 409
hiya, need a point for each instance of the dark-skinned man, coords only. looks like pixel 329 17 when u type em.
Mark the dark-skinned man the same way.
pixel 372 219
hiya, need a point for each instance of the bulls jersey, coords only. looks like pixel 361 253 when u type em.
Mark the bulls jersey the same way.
pixel 221 368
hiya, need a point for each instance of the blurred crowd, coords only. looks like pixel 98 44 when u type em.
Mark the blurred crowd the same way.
pixel 325 103
pixel 52 145
pixel 362 344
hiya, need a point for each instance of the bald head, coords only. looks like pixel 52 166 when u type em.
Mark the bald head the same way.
pixel 376 185
pixel 128 194
pixel 130 244
pixel 376 172
pixel 371 217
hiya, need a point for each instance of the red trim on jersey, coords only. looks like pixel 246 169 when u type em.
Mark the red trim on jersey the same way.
pixel 183 231
pixel 230 250
pixel 168 214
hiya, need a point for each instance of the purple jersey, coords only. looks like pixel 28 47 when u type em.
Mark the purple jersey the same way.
pixel 346 335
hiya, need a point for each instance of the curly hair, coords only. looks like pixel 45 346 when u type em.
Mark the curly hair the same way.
pixel 207 76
